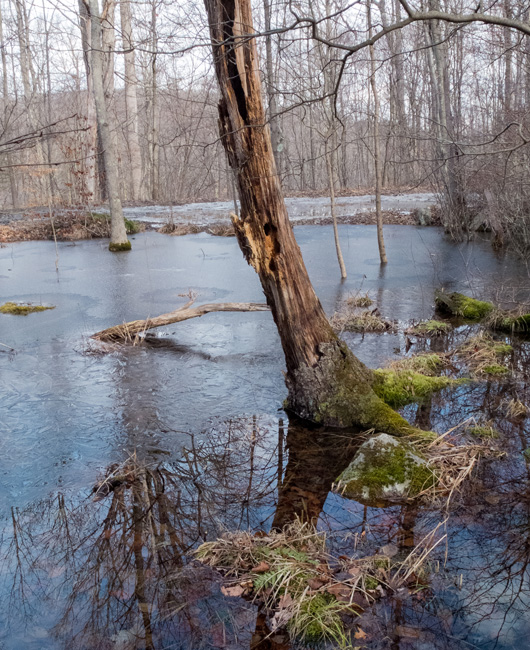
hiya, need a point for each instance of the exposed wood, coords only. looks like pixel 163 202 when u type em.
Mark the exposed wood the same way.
pixel 326 382
pixel 130 331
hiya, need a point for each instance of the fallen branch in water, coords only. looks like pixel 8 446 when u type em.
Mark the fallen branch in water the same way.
pixel 132 331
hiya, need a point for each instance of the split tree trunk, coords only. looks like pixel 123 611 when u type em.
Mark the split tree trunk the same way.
pixel 118 234
pixel 326 383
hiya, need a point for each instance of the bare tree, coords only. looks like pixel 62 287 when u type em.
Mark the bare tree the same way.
pixel 118 236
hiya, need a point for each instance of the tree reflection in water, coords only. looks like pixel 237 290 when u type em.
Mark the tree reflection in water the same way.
pixel 116 573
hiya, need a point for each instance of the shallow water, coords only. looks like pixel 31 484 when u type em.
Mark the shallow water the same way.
pixel 200 408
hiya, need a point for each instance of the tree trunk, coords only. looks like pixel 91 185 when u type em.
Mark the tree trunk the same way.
pixel 118 235
pixel 95 167
pixel 326 383
pixel 131 102
pixel 7 115
pixel 377 147
pixel 274 120
pixel 331 178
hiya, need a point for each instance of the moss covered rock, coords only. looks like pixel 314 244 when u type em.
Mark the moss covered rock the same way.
pixel 385 470
pixel 458 304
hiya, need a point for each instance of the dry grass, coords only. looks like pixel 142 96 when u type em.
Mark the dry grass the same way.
pixel 484 356
pixel 358 299
pixel 451 463
pixel 356 320
pixel 291 574
pixel 515 409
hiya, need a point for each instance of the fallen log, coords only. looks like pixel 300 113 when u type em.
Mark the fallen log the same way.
pixel 132 331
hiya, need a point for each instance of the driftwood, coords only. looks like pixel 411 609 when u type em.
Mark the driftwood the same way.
pixel 131 332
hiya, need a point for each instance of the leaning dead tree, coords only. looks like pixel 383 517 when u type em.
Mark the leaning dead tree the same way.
pixel 326 382
pixel 131 332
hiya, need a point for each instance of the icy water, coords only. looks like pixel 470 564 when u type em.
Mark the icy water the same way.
pixel 299 208
pixel 199 412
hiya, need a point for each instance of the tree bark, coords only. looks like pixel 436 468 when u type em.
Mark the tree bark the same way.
pixel 326 382
pixel 7 112
pixel 118 235
pixel 94 166
pixel 377 147
pixel 131 102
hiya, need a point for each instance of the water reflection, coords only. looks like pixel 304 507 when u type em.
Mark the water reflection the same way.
pixel 116 566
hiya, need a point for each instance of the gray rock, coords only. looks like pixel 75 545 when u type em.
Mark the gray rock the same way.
pixel 385 470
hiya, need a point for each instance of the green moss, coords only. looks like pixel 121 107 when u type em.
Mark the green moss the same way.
pixel 502 348
pixel 430 328
pixel 495 370
pixel 458 304
pixel 400 387
pixel 117 248
pixel 392 465
pixel 22 309
pixel 370 582
pixel 484 432
pixel 526 454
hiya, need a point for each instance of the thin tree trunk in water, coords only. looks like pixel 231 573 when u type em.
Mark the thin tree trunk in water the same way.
pixel 377 147
pixel 94 164
pixel 274 120
pixel 7 110
pixel 331 177
pixel 118 235
pixel 326 383
pixel 131 101
pixel 153 111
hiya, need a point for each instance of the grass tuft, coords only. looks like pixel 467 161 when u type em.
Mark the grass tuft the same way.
pixel 18 309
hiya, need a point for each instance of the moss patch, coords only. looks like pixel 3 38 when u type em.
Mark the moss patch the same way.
pixel 430 328
pixel 401 387
pixel 17 309
pixel 484 432
pixel 117 248
pixel 458 304
pixel 495 370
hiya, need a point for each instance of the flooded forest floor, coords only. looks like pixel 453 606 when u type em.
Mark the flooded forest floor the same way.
pixel 117 465
pixel 192 218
